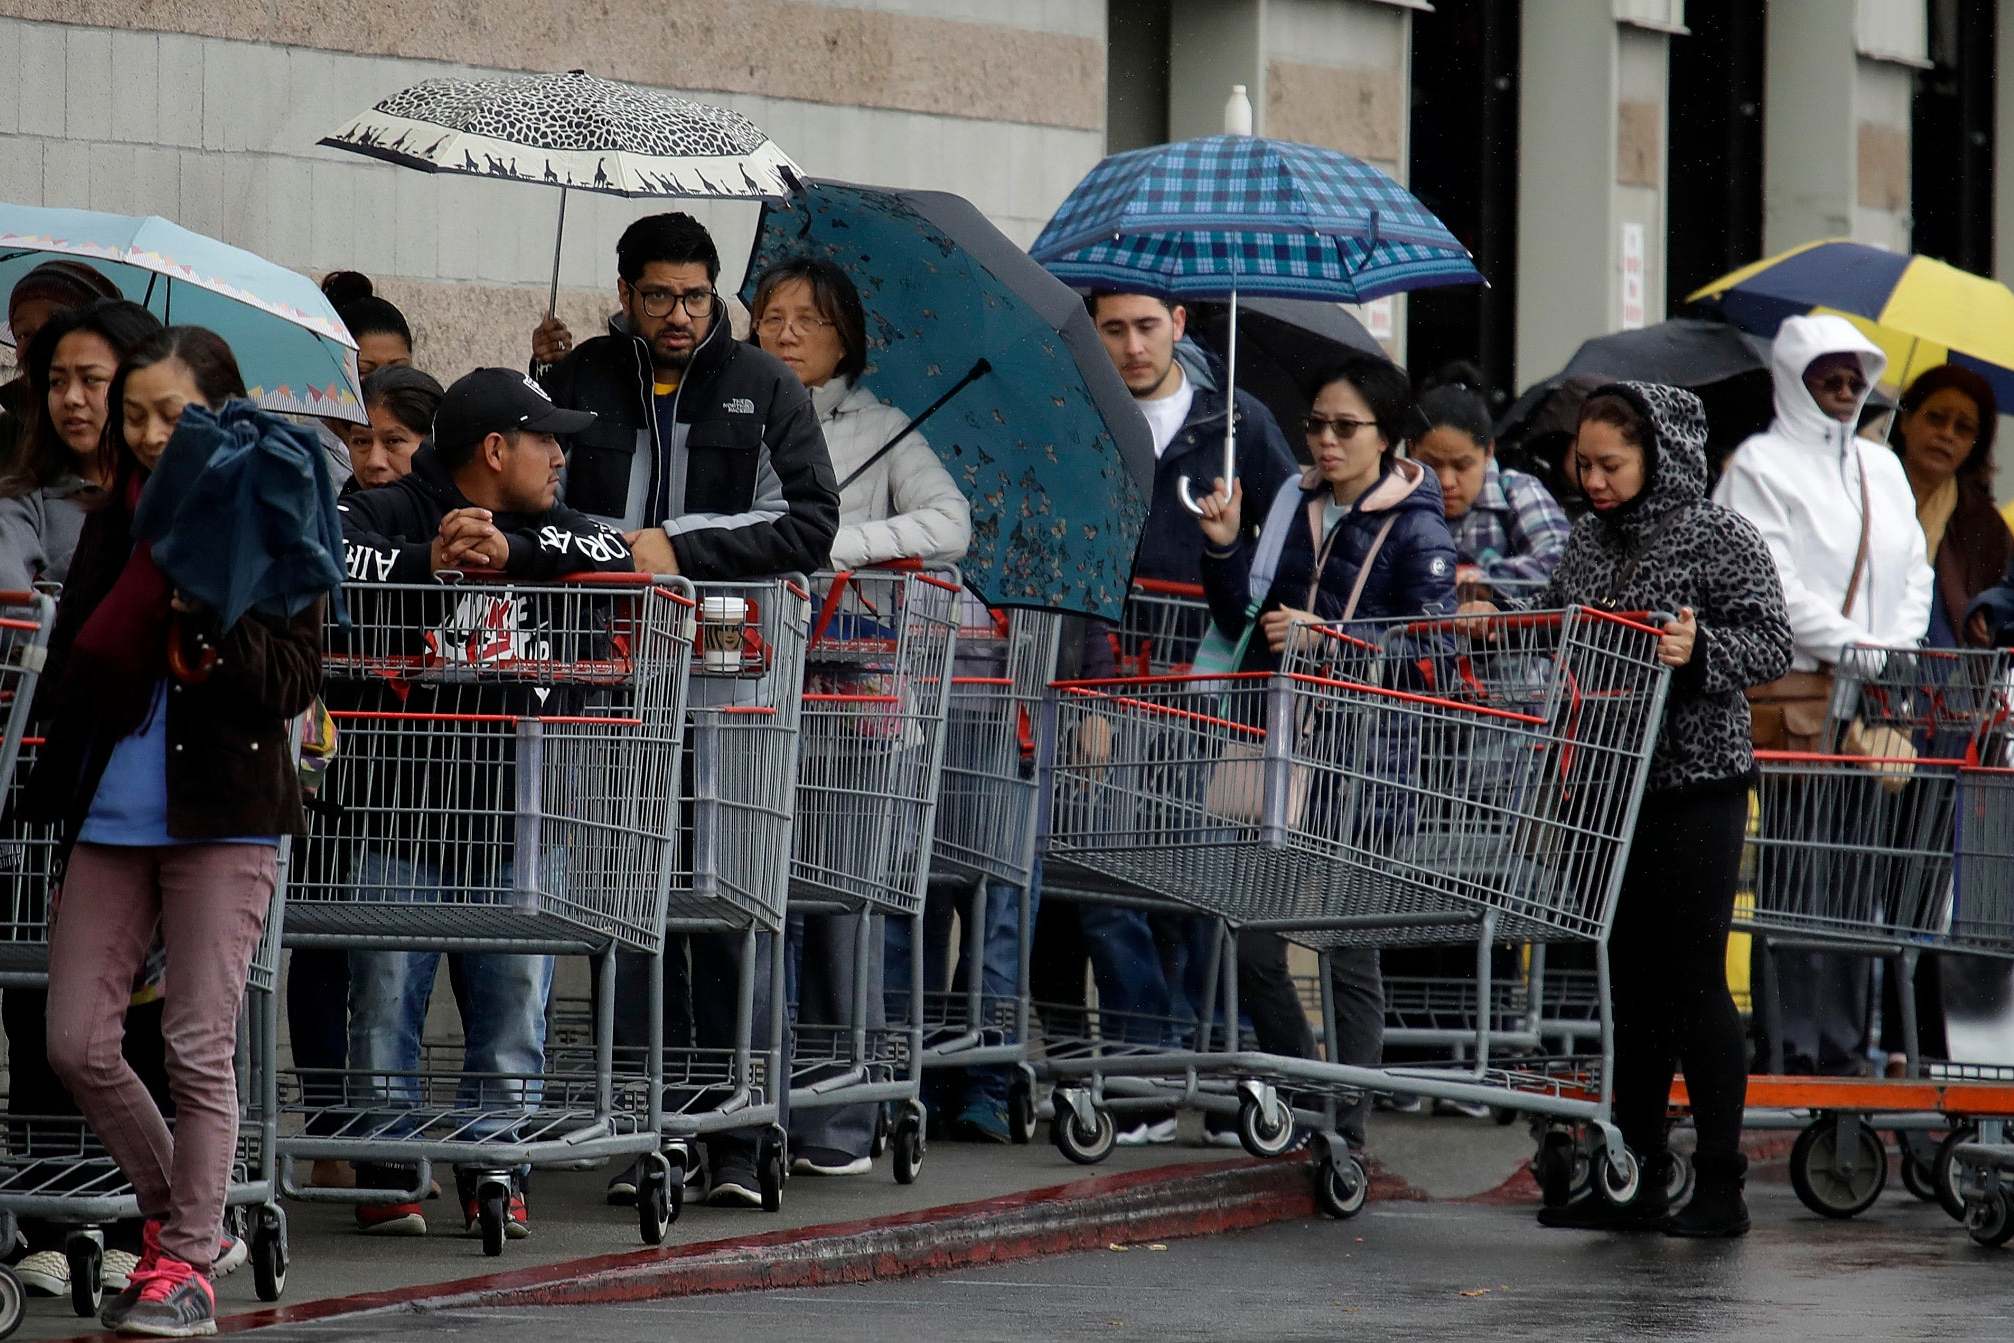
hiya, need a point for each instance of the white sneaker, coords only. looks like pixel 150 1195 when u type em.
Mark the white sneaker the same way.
pixel 45 1273
pixel 117 1274
pixel 1221 1137
pixel 824 1161
pixel 1148 1135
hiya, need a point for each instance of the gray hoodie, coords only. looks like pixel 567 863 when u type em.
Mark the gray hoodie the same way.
pixel 38 533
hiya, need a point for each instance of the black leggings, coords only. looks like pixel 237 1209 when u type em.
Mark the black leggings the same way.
pixel 1668 971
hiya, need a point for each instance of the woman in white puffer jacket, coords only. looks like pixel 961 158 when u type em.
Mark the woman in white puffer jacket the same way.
pixel 901 504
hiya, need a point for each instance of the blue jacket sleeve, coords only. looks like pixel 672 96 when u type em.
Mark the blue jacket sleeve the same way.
pixel 1424 565
pixel 1264 460
pixel 1227 581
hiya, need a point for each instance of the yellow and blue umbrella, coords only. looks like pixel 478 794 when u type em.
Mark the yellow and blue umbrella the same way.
pixel 1920 312
pixel 294 351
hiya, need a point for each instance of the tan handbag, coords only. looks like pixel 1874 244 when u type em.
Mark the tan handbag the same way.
pixel 1236 789
pixel 1788 714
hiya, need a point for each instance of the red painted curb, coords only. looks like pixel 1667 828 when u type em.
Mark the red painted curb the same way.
pixel 1166 1203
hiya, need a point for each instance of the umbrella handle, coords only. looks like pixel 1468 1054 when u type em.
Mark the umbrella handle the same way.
pixel 179 665
pixel 1188 499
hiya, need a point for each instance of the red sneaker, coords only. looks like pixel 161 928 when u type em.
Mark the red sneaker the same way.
pixel 174 1301
pixel 391 1219
pixel 516 1224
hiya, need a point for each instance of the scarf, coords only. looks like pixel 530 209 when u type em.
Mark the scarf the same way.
pixel 1933 514
pixel 121 653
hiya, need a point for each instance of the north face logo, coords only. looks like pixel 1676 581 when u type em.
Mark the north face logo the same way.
pixel 740 405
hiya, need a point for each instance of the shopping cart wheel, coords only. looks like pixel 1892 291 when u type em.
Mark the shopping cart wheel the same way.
pixel 269 1252
pixel 1678 1176
pixel 1947 1178
pixel 1990 1219
pixel 1264 1130
pixel 1618 1175
pixel 908 1144
pixel 879 1143
pixel 490 1213
pixel 658 1198
pixel 1553 1167
pixel 769 1171
pixel 86 1258
pixel 1085 1145
pixel 1021 1112
pixel 1919 1167
pixel 13 1302
pixel 1341 1187
pixel 1838 1166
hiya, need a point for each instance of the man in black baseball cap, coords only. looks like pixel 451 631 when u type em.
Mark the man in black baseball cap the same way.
pixel 484 496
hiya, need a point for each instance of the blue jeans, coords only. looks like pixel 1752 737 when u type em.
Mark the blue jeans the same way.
pixel 502 998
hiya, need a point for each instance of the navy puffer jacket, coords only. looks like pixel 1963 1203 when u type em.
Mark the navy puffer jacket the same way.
pixel 1413 574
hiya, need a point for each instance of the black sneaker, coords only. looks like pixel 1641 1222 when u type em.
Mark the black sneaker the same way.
pixel 735 1184
pixel 622 1189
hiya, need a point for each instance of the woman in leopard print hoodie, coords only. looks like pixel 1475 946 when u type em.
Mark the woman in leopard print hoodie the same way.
pixel 1654 543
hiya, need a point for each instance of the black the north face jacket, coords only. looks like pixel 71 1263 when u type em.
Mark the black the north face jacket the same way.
pixel 1671 548
pixel 745 491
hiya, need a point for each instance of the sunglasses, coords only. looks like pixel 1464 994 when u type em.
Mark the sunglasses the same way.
pixel 1343 427
pixel 1851 384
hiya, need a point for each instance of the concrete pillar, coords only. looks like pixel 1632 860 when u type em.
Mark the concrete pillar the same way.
pixel 1212 45
pixel 1567 132
pixel 1810 176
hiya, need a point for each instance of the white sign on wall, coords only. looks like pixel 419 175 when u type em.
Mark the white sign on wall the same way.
pixel 1377 318
pixel 1633 312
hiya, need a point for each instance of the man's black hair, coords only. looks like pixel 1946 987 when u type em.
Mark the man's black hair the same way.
pixel 675 237
pixel 1091 300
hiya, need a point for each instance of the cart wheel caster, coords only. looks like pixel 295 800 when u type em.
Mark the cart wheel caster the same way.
pixel 1990 1220
pixel 769 1171
pixel 1085 1146
pixel 1504 1115
pixel 13 1302
pixel 1618 1175
pixel 879 1143
pixel 1341 1187
pixel 86 1258
pixel 1264 1135
pixel 1833 1183
pixel 1553 1167
pixel 1678 1178
pixel 658 1199
pixel 1919 1173
pixel 269 1253
pixel 490 1210
pixel 908 1144
pixel 1021 1113
pixel 1947 1179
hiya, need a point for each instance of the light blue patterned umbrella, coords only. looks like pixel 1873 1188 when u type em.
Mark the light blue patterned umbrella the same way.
pixel 1240 214
pixel 295 353
pixel 1023 405
pixel 1230 215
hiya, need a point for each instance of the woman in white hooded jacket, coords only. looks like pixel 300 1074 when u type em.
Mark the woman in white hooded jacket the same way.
pixel 1810 485
pixel 899 504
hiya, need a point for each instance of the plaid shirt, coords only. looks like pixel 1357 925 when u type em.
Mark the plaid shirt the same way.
pixel 1514 530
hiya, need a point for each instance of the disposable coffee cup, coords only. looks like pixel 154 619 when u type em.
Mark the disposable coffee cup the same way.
pixel 723 623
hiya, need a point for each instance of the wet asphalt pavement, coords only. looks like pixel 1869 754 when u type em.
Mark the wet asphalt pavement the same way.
pixel 1902 1271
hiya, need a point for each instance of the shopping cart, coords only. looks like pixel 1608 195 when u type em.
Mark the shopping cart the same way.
pixel 987 813
pixel 499 786
pixel 1855 851
pixel 1422 782
pixel 53 1168
pixel 878 673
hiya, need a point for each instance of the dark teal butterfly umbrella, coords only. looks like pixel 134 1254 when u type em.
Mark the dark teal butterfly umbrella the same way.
pixel 1000 367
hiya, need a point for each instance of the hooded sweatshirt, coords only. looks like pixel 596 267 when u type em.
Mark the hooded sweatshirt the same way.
pixel 1412 573
pixel 1687 553
pixel 1799 483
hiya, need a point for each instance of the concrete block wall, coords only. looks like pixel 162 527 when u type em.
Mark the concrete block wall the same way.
pixel 218 133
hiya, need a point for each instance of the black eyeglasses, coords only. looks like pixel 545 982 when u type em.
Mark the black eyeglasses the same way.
pixel 1343 427
pixel 660 302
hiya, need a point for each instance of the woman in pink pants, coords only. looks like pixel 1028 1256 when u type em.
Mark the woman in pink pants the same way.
pixel 170 795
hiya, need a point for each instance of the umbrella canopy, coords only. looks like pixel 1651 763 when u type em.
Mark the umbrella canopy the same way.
pixel 1284 346
pixel 269 480
pixel 292 348
pixel 1034 424
pixel 572 130
pixel 1239 213
pixel 1921 312
pixel 1728 369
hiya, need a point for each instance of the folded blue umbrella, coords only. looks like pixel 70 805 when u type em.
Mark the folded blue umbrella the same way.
pixel 241 514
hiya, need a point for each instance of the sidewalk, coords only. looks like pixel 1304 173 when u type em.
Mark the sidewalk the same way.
pixel 970 1205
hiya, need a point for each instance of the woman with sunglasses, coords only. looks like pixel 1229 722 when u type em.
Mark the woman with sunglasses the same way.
pixel 1365 538
pixel 1839 518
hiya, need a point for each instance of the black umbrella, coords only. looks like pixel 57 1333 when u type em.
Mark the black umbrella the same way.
pixel 1726 366
pixel 1284 345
